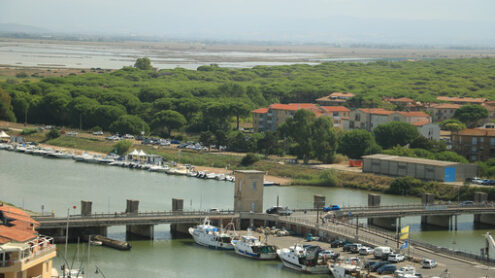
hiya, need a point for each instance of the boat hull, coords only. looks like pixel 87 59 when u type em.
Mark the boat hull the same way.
pixel 262 256
pixel 319 269
pixel 207 241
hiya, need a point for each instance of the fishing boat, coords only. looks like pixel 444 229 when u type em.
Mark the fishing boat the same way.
pixel 304 258
pixel 346 268
pixel 210 236
pixel 117 244
pixel 252 247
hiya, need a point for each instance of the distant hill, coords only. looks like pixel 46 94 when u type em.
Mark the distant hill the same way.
pixel 19 28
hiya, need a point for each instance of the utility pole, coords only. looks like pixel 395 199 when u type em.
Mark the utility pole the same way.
pixel 398 234
pixel 80 121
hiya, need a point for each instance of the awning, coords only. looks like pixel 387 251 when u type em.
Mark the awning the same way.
pixel 3 134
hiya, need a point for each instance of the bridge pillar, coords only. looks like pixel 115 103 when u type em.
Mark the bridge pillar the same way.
pixel 132 206
pixel 489 219
pixel 442 221
pixel 388 223
pixel 428 199
pixel 179 230
pixel 373 201
pixel 86 208
pixel 319 201
pixel 139 232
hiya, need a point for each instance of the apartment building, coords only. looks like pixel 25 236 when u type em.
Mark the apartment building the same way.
pixel 276 114
pixel 23 252
pixel 442 111
pixel 476 144
pixel 462 100
pixel 335 98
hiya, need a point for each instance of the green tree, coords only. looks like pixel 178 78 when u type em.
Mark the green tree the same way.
pixel 171 119
pixel 143 63
pixel 206 138
pixel 129 124
pixel 356 143
pixel 395 133
pixel 6 110
pixel 404 185
pixel 122 147
pixel 324 139
pixel 471 114
pixel 268 143
pixel 238 110
pixel 299 130
pixel 452 125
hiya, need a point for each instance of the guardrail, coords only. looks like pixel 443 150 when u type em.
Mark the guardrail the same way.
pixel 134 215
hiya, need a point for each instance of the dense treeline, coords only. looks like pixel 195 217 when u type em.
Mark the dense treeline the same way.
pixel 210 97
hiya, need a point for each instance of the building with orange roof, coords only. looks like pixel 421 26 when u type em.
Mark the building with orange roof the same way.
pixel 442 111
pixel 276 114
pixel 370 118
pixel 335 98
pixel 462 100
pixel 23 252
pixel 476 144
pixel 490 106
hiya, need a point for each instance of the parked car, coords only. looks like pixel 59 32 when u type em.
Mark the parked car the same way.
pixel 347 247
pixel 128 136
pixel 329 253
pixel 387 269
pixel 365 250
pixel 396 258
pixel 405 271
pixel 98 133
pixel 337 243
pixel 376 266
pixel 477 180
pixel 72 133
pixel 279 210
pixel 331 208
pixel 355 248
pixel 428 263
pixel 369 264
pixel 175 142
pixel 467 203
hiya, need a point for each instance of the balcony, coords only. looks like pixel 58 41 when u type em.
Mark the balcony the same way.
pixel 17 257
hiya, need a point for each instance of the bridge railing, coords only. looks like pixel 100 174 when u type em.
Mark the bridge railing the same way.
pixel 142 214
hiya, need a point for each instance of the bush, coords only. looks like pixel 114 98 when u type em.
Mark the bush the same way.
pixel 249 159
pixel 53 133
pixel 96 128
pixel 21 75
pixel 404 186
pixel 122 147
pixel 27 131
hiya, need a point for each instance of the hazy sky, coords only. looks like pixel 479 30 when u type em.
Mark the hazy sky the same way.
pixel 377 21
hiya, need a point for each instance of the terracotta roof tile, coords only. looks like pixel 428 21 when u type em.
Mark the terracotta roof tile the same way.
pixel 462 99
pixel 291 106
pixel 445 106
pixel 376 111
pixel 22 228
pixel 335 108
pixel 414 114
pixel 421 123
pixel 260 111
pixel 341 94
pixel 402 99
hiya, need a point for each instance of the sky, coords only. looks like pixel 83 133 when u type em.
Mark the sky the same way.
pixel 456 22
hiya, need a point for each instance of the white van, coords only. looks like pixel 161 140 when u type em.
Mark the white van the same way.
pixel 382 252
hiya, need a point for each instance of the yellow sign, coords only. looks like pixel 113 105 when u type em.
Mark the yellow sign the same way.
pixel 404 232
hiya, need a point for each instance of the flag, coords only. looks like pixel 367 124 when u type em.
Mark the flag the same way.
pixel 406 244
pixel 404 232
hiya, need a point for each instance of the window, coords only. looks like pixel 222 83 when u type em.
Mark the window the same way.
pixel 396 119
pixel 357 117
pixel 475 140
pixel 254 185
pixel 473 149
pixel 492 141
pixel 253 206
pixel 473 158
pixel 482 139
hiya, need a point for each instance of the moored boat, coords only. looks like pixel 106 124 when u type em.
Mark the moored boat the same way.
pixel 210 236
pixel 346 268
pixel 252 247
pixel 304 258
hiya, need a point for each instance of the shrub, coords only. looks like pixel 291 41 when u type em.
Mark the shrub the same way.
pixel 122 147
pixel 404 185
pixel 96 128
pixel 21 75
pixel 249 159
pixel 28 131
pixel 53 133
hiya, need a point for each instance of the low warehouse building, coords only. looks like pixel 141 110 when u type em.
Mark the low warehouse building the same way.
pixel 420 168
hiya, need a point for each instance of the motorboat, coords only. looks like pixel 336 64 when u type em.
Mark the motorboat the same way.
pixel 159 168
pixel 304 258
pixel 210 236
pixel 181 171
pixel 346 268
pixel 211 176
pixel 252 247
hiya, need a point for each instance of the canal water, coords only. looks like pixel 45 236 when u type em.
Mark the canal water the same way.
pixel 41 184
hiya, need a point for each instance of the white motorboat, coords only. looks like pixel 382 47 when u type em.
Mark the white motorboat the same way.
pixel 20 149
pixel 181 171
pixel 304 258
pixel 83 157
pixel 252 247
pixel 347 268
pixel 212 237
pixel 220 177
pixel 159 168
pixel 211 176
